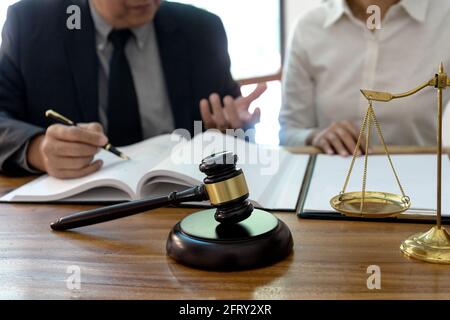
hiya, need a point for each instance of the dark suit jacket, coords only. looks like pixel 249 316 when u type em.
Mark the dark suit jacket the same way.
pixel 44 64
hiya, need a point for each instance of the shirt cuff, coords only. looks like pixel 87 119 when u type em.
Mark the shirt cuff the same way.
pixel 20 159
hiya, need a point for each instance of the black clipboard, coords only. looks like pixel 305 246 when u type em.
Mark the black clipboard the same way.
pixel 333 215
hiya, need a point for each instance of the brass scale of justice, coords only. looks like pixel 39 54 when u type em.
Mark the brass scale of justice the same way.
pixel 431 246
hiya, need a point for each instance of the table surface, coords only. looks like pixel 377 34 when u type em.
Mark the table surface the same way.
pixel 126 259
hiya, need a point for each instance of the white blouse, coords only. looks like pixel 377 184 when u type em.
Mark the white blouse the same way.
pixel 333 55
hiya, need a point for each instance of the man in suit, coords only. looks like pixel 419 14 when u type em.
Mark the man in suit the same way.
pixel 135 69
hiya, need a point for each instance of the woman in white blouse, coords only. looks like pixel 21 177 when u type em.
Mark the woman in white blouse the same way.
pixel 334 53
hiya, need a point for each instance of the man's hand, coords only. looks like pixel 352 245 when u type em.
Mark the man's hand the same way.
pixel 67 152
pixel 339 138
pixel 231 113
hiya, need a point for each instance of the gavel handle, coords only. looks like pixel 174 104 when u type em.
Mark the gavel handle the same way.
pixel 90 217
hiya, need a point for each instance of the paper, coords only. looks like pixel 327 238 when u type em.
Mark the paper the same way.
pixel 417 174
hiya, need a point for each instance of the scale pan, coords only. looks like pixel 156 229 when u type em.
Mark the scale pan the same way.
pixel 376 204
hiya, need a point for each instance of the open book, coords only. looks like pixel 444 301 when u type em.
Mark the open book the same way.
pixel 417 174
pixel 169 163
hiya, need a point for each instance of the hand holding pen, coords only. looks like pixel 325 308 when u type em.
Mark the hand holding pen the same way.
pixel 63 120
pixel 67 150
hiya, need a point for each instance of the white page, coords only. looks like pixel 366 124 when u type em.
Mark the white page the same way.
pixel 286 185
pixel 144 156
pixel 417 174
pixel 262 166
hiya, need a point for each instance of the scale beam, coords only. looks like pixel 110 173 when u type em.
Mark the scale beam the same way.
pixel 386 96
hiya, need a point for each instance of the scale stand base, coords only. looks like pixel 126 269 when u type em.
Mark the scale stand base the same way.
pixel 199 241
pixel 431 246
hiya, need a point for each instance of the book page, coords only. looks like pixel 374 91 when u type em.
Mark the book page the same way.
pixel 273 175
pixel 115 173
pixel 417 174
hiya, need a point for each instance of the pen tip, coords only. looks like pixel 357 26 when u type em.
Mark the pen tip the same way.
pixel 54 225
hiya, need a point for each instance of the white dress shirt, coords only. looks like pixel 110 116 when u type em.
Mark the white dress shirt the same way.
pixel 145 63
pixel 333 55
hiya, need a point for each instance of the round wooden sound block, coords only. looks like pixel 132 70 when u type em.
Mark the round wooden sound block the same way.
pixel 200 241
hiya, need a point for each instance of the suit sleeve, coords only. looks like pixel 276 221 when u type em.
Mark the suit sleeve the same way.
pixel 15 133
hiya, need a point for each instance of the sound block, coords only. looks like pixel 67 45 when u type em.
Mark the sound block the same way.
pixel 200 241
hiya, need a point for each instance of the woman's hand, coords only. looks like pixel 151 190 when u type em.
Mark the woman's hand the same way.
pixel 339 138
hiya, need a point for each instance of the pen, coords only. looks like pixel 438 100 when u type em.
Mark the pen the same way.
pixel 63 120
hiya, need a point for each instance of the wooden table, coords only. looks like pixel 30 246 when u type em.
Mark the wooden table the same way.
pixel 126 260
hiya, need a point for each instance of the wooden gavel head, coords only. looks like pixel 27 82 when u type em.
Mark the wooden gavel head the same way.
pixel 226 188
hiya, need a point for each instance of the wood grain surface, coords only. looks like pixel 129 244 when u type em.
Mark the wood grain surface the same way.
pixel 126 259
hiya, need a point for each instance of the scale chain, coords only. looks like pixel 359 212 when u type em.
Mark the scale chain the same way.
pixel 358 143
pixel 380 134
pixel 369 119
pixel 366 158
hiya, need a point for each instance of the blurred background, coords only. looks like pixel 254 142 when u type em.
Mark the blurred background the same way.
pixel 257 44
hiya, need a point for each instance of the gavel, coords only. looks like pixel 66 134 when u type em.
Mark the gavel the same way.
pixel 224 186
